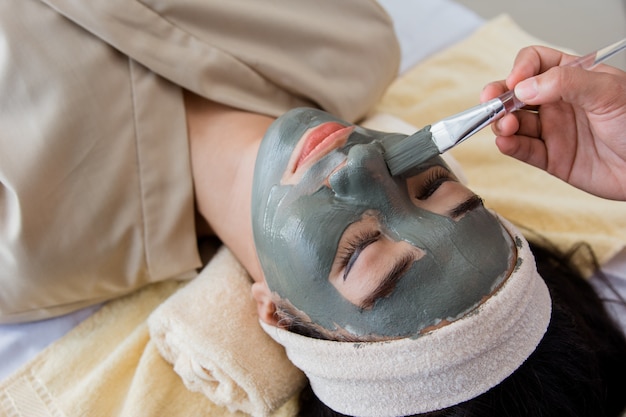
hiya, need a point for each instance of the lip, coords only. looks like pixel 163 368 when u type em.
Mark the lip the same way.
pixel 315 144
pixel 320 141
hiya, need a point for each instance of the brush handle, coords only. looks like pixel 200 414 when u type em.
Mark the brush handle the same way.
pixel 589 61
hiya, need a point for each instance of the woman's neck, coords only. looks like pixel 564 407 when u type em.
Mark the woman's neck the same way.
pixel 224 143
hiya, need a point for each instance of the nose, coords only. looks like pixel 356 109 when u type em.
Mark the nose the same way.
pixel 365 167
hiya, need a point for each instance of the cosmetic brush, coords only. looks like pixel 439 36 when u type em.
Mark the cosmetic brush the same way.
pixel 403 154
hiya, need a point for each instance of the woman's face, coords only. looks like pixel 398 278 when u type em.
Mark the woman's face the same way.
pixel 359 251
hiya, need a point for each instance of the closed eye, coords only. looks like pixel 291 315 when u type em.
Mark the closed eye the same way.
pixel 350 253
pixel 434 178
pixel 369 263
pixel 388 284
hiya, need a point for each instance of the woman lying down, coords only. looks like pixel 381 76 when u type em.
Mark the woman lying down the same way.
pixel 406 296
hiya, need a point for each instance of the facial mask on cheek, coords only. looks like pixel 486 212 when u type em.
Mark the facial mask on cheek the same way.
pixel 305 234
pixel 298 229
pixel 464 262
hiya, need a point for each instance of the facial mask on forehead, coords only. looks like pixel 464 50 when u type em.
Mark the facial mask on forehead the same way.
pixel 298 229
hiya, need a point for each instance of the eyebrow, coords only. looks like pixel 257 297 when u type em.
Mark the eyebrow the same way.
pixel 470 204
pixel 390 281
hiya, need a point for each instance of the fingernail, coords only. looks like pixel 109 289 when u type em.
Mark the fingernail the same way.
pixel 526 90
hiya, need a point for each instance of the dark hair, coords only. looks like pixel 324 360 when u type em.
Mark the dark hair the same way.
pixel 577 370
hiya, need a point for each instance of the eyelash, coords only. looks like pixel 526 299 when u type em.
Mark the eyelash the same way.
pixel 435 177
pixel 385 289
pixel 354 247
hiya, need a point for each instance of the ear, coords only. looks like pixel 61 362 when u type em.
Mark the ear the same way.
pixel 265 306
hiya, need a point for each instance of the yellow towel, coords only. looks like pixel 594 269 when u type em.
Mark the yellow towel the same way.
pixel 450 82
pixel 108 366
pixel 209 330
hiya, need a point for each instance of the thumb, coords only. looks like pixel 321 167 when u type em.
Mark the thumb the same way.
pixel 573 85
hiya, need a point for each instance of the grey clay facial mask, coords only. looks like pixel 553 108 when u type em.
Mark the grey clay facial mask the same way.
pixel 298 228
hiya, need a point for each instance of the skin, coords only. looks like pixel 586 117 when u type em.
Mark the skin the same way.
pixel 224 144
pixel 343 226
pixel 575 125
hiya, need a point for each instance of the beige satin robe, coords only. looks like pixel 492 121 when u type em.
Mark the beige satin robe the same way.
pixel 96 196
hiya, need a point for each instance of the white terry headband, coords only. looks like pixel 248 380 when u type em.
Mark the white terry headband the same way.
pixel 444 367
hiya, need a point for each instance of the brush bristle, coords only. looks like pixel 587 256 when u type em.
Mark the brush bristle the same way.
pixel 402 155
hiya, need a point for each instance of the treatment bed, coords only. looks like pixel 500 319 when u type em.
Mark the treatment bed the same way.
pixel 147 354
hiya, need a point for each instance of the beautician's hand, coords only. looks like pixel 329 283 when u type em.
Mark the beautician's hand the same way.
pixel 575 125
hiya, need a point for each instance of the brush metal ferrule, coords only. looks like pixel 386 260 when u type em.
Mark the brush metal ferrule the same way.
pixel 455 129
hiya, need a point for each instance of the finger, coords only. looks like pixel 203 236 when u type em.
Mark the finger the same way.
pixel 529 124
pixel 535 60
pixel 573 85
pixel 492 90
pixel 523 148
pixel 609 69
pixel 506 126
pixel 524 123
